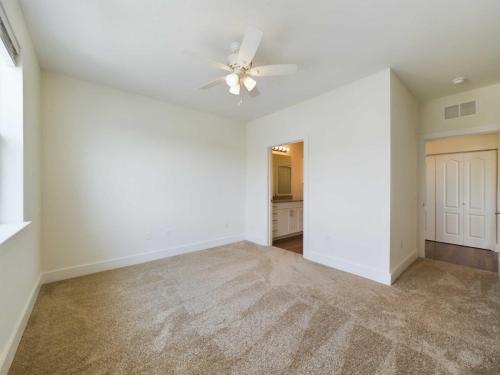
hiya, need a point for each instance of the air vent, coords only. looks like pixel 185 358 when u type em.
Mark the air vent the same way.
pixel 451 112
pixel 467 109
pixel 459 110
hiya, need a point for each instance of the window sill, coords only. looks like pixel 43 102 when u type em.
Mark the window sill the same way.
pixel 9 230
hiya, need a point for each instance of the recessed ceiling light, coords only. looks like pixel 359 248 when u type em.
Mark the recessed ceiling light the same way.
pixel 458 80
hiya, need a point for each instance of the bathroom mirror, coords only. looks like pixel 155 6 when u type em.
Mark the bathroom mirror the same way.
pixel 282 166
pixel 284 180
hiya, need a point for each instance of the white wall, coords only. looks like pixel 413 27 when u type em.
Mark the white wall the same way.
pixel 347 175
pixel 404 140
pixel 462 143
pixel 125 175
pixel 488 112
pixel 19 256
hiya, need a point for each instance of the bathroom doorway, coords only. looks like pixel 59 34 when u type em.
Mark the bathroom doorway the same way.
pixel 287 196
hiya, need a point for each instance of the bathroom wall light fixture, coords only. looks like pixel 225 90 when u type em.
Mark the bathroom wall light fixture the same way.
pixel 280 148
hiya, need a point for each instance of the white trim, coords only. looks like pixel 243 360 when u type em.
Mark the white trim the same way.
pixel 9 230
pixel 258 240
pixel 305 194
pixel 7 356
pixel 403 265
pixel 89 268
pixel 270 191
pixel 348 266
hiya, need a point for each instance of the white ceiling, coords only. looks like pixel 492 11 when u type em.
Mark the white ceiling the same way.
pixel 135 45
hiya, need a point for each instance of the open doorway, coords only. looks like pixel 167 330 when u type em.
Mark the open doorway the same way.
pixel 461 200
pixel 287 196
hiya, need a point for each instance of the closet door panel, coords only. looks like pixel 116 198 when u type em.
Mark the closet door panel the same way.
pixel 480 199
pixel 449 198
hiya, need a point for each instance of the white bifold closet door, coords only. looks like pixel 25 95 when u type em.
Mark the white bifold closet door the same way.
pixel 466 199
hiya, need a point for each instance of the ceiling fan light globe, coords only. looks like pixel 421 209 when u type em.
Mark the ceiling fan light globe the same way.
pixel 235 90
pixel 232 79
pixel 249 83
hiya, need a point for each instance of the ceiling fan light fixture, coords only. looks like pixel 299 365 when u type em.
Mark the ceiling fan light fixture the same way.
pixel 458 80
pixel 235 89
pixel 249 83
pixel 240 69
pixel 232 79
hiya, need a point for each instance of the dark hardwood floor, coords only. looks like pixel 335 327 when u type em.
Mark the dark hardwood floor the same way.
pixel 294 243
pixel 466 256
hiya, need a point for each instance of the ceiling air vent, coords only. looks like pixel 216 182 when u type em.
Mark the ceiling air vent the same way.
pixel 451 112
pixel 459 110
pixel 467 109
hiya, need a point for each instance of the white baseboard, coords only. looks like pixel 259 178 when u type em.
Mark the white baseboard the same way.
pixel 497 248
pixel 403 265
pixel 7 356
pixel 348 266
pixel 89 268
pixel 257 240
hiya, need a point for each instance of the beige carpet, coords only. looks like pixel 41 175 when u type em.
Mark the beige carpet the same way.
pixel 246 309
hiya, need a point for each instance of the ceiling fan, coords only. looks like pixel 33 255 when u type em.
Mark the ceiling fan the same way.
pixel 240 65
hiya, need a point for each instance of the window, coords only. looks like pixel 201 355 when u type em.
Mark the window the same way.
pixel 11 132
pixel 9 48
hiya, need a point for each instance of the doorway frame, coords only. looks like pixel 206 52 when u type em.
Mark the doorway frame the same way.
pixel 305 187
pixel 487 129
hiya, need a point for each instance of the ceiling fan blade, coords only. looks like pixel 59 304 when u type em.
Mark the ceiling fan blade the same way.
pixel 207 60
pixel 213 83
pixel 249 46
pixel 273 70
